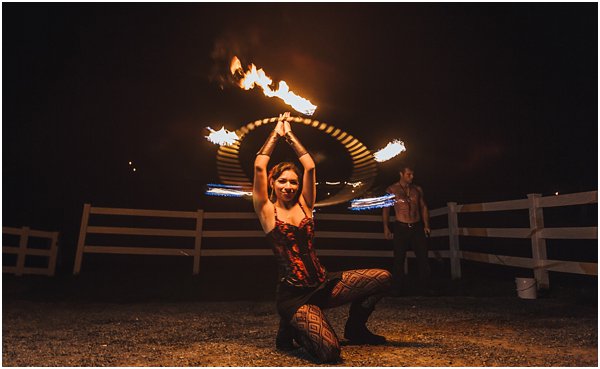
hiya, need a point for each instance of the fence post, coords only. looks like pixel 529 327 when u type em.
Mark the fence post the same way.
pixel 198 241
pixel 538 244
pixel 22 251
pixel 455 271
pixel 53 254
pixel 81 242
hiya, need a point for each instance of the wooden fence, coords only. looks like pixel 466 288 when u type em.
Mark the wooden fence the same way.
pixel 535 231
pixel 23 250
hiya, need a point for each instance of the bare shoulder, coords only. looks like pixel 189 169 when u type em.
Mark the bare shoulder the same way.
pixel 420 191
pixel 307 208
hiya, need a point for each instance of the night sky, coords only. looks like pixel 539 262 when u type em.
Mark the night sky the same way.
pixel 493 101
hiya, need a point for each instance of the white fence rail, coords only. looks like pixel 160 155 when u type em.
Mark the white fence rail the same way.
pixel 535 231
pixel 23 249
pixel 86 229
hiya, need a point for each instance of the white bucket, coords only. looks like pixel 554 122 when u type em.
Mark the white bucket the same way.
pixel 526 288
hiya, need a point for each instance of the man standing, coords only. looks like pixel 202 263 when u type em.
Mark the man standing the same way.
pixel 410 228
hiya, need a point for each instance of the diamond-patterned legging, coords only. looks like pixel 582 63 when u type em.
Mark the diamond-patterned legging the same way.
pixel 314 333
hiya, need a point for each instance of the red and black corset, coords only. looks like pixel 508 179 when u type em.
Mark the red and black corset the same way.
pixel 297 261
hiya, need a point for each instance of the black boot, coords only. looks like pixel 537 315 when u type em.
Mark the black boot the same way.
pixel 356 330
pixel 285 336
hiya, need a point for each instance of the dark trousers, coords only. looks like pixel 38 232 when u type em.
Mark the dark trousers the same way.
pixel 406 237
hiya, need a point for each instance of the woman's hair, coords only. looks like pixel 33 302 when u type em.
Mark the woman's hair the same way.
pixel 276 171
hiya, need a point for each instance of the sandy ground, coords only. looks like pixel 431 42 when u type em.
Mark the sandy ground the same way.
pixel 422 331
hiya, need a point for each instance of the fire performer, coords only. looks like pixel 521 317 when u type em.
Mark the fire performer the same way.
pixel 284 200
pixel 410 228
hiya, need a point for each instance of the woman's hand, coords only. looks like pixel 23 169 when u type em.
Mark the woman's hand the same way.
pixel 284 116
pixel 283 126
pixel 279 128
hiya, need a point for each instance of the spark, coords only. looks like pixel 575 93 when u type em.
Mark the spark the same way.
pixel 392 149
pixel 258 77
pixel 354 184
pixel 222 136
pixel 373 202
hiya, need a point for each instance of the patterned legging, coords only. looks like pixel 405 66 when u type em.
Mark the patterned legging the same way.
pixel 314 333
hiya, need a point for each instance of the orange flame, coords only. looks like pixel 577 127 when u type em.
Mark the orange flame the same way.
pixel 258 77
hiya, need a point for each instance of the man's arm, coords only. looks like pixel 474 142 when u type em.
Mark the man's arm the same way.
pixel 424 212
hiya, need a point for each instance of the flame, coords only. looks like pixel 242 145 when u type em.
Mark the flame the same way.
pixel 258 77
pixel 392 149
pixel 222 136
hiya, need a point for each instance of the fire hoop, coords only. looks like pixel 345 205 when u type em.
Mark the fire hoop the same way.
pixel 364 167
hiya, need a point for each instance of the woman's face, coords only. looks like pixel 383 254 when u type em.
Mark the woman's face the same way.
pixel 286 185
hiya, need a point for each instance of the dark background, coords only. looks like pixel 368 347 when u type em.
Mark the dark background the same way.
pixel 493 101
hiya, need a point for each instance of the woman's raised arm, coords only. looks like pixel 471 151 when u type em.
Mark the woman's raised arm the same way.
pixel 309 189
pixel 260 193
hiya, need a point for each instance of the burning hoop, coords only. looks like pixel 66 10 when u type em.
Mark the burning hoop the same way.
pixel 364 167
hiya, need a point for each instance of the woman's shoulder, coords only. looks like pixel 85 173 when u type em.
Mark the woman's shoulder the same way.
pixel 307 209
pixel 266 216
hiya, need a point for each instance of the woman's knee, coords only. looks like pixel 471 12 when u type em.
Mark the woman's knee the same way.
pixel 384 277
pixel 324 345
pixel 327 349
pixel 329 353
pixel 322 350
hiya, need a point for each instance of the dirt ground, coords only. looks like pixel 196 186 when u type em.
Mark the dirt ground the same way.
pixel 422 331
